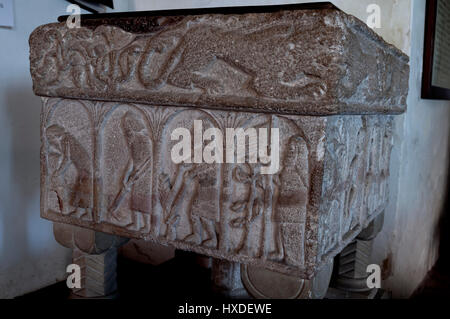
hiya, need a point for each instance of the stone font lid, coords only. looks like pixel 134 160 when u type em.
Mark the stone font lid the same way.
pixel 297 59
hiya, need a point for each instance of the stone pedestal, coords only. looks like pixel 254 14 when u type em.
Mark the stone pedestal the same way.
pixel 350 273
pixel 226 279
pixel 116 89
pixel 96 255
pixel 98 274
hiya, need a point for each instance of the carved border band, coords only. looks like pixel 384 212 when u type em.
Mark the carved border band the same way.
pixel 303 62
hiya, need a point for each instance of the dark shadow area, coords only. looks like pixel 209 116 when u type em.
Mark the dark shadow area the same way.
pixel 437 282
pixel 178 279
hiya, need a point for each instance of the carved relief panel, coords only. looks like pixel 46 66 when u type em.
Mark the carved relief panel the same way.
pixel 108 166
pixel 356 171
pixel 308 62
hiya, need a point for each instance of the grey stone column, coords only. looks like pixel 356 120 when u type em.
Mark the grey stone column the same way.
pixel 350 276
pixel 96 255
pixel 98 274
pixel 237 281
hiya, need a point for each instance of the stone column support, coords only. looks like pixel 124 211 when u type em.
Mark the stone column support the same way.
pixel 236 281
pixel 98 274
pixel 350 276
pixel 96 254
pixel 226 279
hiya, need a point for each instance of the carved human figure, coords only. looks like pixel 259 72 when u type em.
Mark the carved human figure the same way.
pixel 178 196
pixel 377 166
pixel 270 240
pixel 202 214
pixel 139 163
pixel 68 153
pixel 352 195
pixel 292 199
pixel 250 207
pixel 189 192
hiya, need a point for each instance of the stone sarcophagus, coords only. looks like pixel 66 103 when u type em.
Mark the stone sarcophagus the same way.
pixel 320 85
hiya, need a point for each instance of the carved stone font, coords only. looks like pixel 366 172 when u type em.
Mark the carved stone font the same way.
pixel 115 90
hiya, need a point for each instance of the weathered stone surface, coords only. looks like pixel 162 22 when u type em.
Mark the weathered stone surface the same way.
pixel 262 283
pixel 350 273
pixel 107 166
pixel 304 62
pixel 98 274
pixel 238 281
pixel 86 240
pixel 113 94
pixel 147 252
pixel 96 255
pixel 226 279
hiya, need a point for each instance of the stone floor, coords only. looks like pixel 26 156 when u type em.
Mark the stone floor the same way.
pixel 436 284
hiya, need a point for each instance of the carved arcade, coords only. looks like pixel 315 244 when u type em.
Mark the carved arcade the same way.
pixel 115 174
pixel 113 94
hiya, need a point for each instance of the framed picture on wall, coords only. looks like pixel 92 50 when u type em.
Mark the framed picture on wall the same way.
pixel 436 64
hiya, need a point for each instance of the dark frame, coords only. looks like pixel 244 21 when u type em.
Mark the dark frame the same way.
pixel 108 3
pixel 428 90
pixel 210 10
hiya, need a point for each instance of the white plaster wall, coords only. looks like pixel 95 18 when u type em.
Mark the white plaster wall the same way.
pixel 423 133
pixel 407 246
pixel 29 256
pixel 394 19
